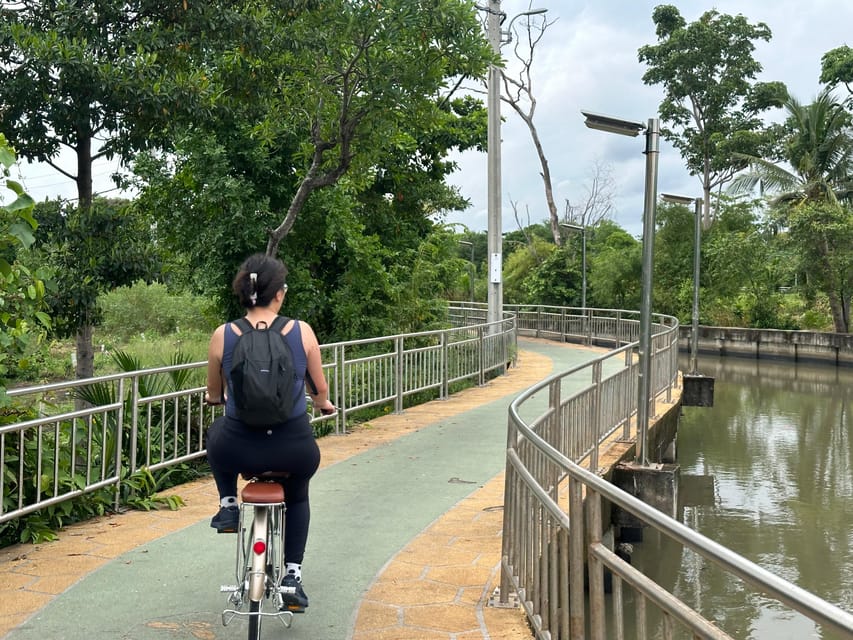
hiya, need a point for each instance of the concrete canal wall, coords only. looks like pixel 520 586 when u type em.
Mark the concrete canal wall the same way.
pixel 828 348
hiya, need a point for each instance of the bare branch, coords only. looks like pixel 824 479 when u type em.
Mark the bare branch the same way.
pixel 518 93
pixel 597 203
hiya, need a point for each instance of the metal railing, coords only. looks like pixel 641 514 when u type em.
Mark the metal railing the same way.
pixel 556 552
pixel 553 539
pixel 156 418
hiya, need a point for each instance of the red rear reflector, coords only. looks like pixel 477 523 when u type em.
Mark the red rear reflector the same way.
pixel 259 547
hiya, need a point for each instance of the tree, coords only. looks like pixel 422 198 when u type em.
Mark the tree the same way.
pixel 711 107
pixel 836 67
pixel 90 251
pixel 597 203
pixel 21 289
pixel 523 260
pixel 811 191
pixel 101 79
pixel 615 267
pixel 822 231
pixel 815 156
pixel 673 267
pixel 555 281
pixel 374 85
pixel 357 81
pixel 518 94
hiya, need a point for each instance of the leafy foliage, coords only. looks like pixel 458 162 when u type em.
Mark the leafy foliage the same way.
pixel 329 144
pixel 22 321
pixel 139 489
pixel 143 308
pixel 711 105
pixel 836 67
pixel 89 251
pixel 811 192
pixel 615 267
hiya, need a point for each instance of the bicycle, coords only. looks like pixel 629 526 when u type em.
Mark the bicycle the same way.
pixel 260 567
pixel 260 557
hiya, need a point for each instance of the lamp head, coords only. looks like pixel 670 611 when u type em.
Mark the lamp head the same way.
pixel 612 125
pixel 567 225
pixel 670 197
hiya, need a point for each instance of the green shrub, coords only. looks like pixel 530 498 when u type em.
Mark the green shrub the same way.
pixel 152 309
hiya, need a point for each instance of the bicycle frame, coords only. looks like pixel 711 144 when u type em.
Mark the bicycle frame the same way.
pixel 259 568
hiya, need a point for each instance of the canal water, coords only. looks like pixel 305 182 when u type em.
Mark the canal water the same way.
pixel 767 472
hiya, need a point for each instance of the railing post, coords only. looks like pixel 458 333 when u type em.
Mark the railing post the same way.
pixel 508 531
pixel 481 344
pixel 398 375
pixel 596 570
pixel 134 418
pixel 341 364
pixel 577 561
pixel 587 318
pixel 119 442
pixel 445 374
pixel 595 415
pixel 626 408
pixel 618 328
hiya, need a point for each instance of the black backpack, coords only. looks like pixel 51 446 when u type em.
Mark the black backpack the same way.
pixel 262 374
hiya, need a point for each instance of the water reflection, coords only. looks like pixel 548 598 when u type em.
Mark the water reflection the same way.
pixel 777 444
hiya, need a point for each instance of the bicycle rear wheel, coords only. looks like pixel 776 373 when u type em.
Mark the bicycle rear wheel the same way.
pixel 254 620
pixel 258 569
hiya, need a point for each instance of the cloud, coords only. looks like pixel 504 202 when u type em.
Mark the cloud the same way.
pixel 588 60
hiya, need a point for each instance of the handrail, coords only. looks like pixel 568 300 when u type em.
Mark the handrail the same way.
pixel 552 542
pixel 156 418
pixel 550 553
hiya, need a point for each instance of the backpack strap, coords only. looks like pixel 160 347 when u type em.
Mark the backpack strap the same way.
pixel 279 323
pixel 244 324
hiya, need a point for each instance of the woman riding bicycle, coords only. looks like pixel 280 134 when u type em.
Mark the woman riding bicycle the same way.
pixel 234 448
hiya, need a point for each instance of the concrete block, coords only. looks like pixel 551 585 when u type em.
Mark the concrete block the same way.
pixel 654 484
pixel 698 390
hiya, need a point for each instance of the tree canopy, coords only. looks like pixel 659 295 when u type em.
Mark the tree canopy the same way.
pixel 711 104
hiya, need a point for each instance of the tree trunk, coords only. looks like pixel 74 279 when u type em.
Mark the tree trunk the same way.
pixel 553 218
pixel 85 352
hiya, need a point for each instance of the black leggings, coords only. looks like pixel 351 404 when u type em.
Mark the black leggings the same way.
pixel 232 448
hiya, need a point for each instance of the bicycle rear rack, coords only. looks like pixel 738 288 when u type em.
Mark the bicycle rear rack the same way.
pixel 236 598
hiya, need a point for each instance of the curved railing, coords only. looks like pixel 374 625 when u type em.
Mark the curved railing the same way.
pixel 558 557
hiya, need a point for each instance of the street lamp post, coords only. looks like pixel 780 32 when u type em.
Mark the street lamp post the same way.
pixel 577 227
pixel 494 20
pixel 697 245
pixel 466 243
pixel 494 222
pixel 652 150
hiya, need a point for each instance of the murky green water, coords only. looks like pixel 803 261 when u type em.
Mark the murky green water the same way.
pixel 767 472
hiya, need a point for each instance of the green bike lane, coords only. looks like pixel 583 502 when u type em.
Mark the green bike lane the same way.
pixel 365 509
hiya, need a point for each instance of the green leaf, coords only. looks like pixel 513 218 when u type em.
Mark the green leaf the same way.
pixel 21 203
pixel 7 157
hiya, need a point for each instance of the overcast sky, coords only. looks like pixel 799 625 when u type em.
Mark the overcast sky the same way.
pixel 588 60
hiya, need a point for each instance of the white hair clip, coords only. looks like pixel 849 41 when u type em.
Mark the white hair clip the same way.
pixel 253 278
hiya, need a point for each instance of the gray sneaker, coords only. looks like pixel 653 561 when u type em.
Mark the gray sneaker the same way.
pixel 227 520
pixel 292 594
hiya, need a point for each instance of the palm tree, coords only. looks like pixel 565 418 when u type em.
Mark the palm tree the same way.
pixel 810 193
pixel 817 154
